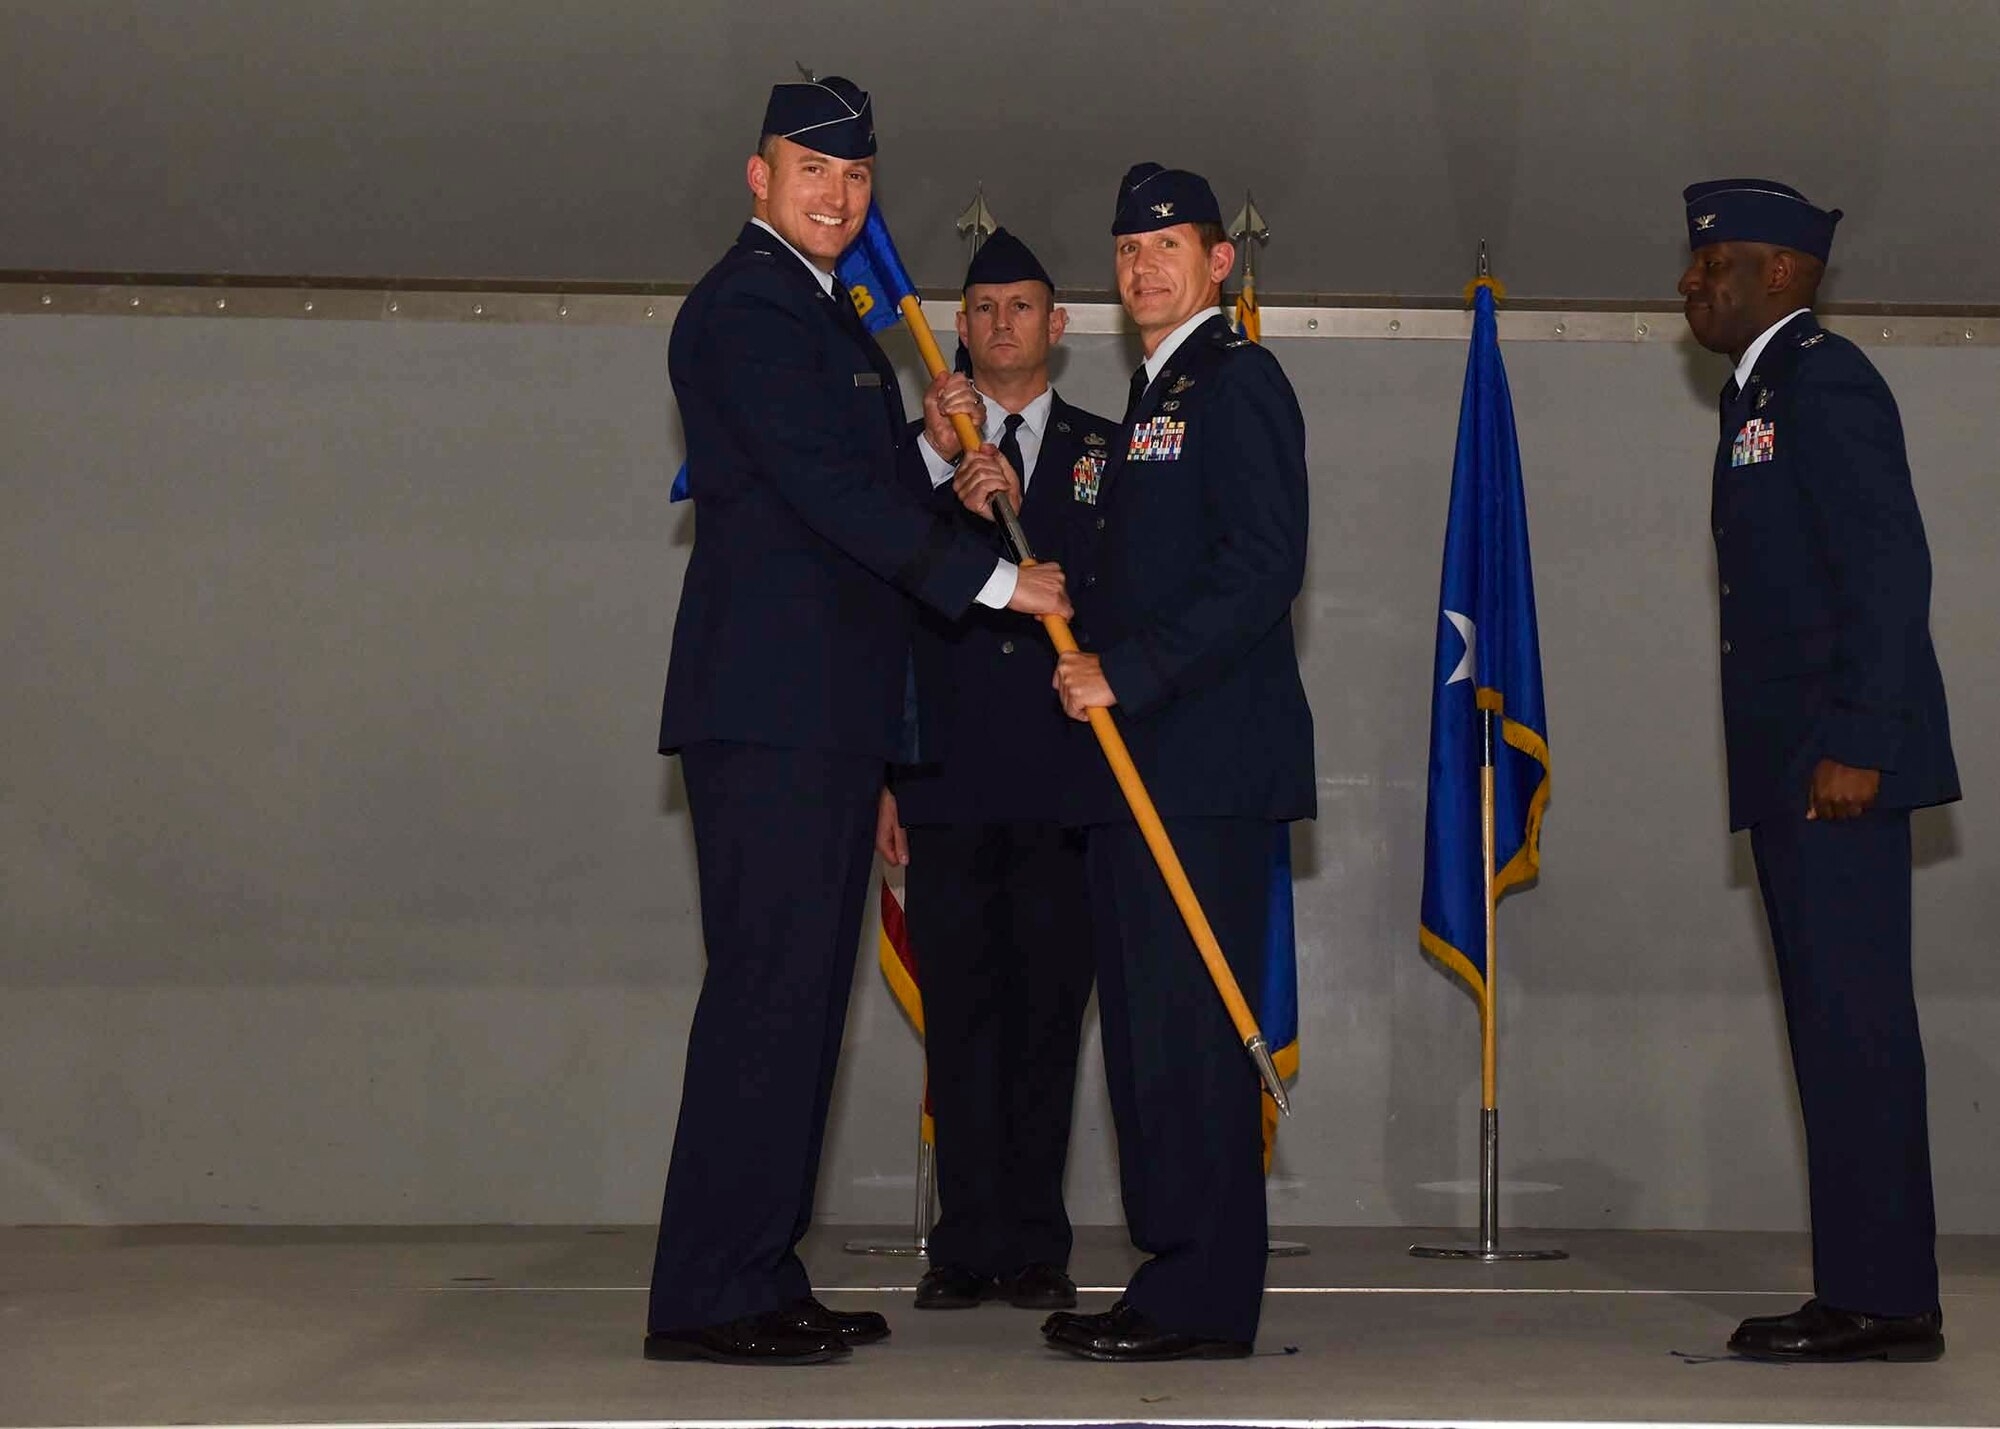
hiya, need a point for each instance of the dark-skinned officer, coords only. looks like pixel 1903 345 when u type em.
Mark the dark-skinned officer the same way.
pixel 995 890
pixel 1185 560
pixel 784 700
pixel 1835 727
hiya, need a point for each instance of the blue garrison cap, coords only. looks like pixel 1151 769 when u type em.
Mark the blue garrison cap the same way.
pixel 1757 211
pixel 833 115
pixel 1151 197
pixel 1003 258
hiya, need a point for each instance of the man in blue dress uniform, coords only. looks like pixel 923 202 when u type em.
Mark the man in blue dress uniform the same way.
pixel 784 700
pixel 1185 560
pixel 1834 721
pixel 995 892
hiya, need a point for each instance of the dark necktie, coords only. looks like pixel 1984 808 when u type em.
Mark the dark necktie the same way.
pixel 1010 447
pixel 1136 393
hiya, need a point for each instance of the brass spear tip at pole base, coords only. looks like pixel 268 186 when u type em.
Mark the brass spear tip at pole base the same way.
pixel 1260 1053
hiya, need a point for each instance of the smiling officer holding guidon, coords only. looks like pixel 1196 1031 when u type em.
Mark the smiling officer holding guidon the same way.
pixel 1185 557
pixel 784 701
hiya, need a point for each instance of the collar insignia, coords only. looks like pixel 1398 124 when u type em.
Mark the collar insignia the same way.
pixel 1062 426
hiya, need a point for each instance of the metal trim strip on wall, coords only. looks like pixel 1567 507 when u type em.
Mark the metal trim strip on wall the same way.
pixel 505 306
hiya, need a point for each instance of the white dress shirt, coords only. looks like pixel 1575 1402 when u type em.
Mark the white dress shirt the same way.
pixel 824 278
pixel 1034 422
pixel 1756 349
pixel 1174 339
pixel 999 587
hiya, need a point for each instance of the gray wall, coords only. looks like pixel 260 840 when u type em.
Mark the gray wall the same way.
pixel 339 881
pixel 604 139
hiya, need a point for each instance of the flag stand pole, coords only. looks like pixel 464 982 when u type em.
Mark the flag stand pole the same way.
pixel 1487 1248
pixel 918 1241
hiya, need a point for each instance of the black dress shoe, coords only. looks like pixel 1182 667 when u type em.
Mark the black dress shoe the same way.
pixel 1038 1287
pixel 764 1338
pixel 953 1287
pixel 1091 1323
pixel 1124 1336
pixel 853 1327
pixel 1818 1333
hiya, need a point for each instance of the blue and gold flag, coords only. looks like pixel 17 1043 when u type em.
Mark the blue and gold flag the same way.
pixel 1278 993
pixel 1488 658
pixel 874 275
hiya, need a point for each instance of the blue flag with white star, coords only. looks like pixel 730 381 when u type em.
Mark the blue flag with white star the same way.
pixel 1488 657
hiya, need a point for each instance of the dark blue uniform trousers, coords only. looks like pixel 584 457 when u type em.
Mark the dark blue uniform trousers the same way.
pixel 1837 893
pixel 1184 1095
pixel 784 844
pixel 1001 929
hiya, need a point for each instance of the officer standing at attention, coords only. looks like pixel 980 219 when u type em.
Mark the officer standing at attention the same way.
pixel 1834 721
pixel 784 700
pixel 995 893
pixel 1185 560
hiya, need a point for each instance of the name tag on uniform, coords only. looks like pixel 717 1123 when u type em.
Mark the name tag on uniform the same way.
pixel 1085 476
pixel 1758 441
pixel 1157 440
pixel 867 379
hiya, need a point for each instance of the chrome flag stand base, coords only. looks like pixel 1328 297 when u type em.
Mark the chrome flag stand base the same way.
pixel 918 1242
pixel 1488 1247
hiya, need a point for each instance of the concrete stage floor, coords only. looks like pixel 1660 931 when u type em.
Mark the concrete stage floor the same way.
pixel 374 1325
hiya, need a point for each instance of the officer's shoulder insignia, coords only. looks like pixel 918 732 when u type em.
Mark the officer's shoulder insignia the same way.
pixel 1236 343
pixel 1062 427
pixel 1814 341
pixel 1181 384
pixel 1093 439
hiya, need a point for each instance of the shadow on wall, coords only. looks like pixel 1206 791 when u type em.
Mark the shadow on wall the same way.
pixel 1705 373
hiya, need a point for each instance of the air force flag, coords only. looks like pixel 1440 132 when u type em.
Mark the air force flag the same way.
pixel 1488 658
